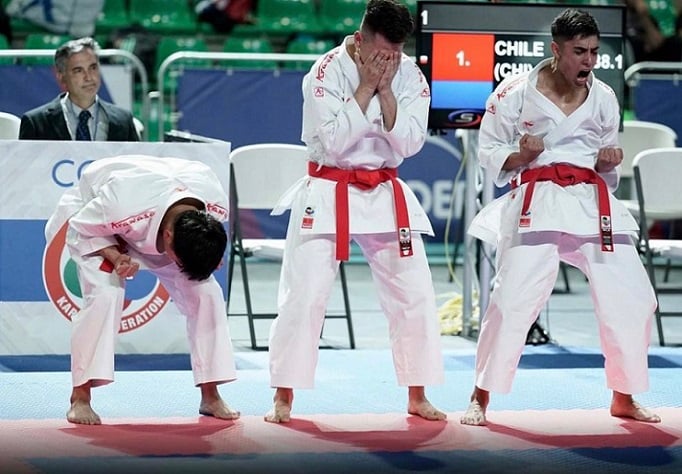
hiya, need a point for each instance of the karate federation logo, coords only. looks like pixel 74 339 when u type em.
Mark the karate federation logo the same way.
pixel 145 297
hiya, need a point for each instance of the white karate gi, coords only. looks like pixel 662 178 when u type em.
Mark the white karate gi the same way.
pixel 564 226
pixel 339 135
pixel 127 196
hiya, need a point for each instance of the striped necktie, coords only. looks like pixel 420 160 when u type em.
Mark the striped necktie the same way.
pixel 83 132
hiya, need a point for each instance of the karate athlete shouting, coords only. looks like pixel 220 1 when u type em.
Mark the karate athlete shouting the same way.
pixel 163 214
pixel 553 133
pixel 365 110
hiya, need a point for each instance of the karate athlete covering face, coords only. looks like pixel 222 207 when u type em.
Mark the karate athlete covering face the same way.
pixel 553 133
pixel 163 214
pixel 365 110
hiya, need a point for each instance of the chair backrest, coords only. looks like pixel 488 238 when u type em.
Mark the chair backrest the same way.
pixel 263 172
pixel 139 127
pixel 163 16
pixel 4 44
pixel 114 15
pixel 9 126
pixel 304 45
pixel 342 16
pixel 658 175
pixel 235 44
pixel 43 41
pixel 287 16
pixel 173 44
pixel 638 136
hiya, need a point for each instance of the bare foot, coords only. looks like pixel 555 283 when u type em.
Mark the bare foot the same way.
pixel 623 406
pixel 418 405
pixel 213 405
pixel 218 409
pixel 475 415
pixel 281 411
pixel 82 413
pixel 425 410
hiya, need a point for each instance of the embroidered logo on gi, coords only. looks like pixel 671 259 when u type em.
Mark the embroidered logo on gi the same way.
pixel 524 220
pixel 319 92
pixel 145 296
pixel 128 221
pixel 491 109
pixel 217 210
pixel 510 86
pixel 308 218
pixel 325 62
pixel 426 92
pixel 528 123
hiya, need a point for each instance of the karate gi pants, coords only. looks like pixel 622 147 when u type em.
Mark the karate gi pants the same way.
pixel 95 327
pixel 624 303
pixel 406 295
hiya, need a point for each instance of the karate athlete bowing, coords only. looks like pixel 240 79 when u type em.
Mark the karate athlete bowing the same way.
pixel 365 110
pixel 553 133
pixel 163 214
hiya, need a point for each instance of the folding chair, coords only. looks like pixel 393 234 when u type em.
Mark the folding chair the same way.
pixel 259 175
pixel 639 135
pixel 9 126
pixel 658 174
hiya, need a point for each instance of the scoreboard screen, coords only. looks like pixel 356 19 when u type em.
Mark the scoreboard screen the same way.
pixel 465 49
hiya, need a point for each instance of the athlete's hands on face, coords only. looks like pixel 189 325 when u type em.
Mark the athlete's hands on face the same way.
pixel 608 158
pixel 373 68
pixel 392 62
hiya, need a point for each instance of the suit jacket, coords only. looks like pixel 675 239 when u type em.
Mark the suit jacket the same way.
pixel 47 122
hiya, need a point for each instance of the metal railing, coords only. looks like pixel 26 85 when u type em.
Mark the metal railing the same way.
pixel 219 60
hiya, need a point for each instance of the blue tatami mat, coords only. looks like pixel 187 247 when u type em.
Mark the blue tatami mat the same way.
pixel 555 420
pixel 359 381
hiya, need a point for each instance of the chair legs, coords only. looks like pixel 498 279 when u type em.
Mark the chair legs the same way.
pixel 564 275
pixel 238 254
pixel 659 314
pixel 346 304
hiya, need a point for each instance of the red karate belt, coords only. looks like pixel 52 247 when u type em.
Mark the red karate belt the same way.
pixel 568 175
pixel 365 180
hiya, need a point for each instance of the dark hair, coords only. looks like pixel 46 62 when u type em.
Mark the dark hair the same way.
pixel 389 18
pixel 572 23
pixel 68 49
pixel 199 241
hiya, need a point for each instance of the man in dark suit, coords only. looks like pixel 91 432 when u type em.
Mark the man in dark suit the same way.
pixel 78 113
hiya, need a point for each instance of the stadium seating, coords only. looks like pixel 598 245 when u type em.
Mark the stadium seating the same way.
pixel 4 44
pixel 341 16
pixel 113 16
pixel 43 41
pixel 663 11
pixel 287 16
pixel 163 16
pixel 172 44
pixel 249 45
pixel 306 45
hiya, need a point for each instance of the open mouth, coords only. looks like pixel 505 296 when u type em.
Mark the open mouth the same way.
pixel 583 74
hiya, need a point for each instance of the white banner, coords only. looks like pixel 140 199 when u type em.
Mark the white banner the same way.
pixel 39 290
